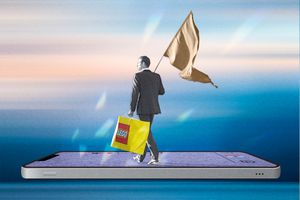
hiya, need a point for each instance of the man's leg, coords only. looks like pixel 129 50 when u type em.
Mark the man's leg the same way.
pixel 151 144
pixel 146 118
pixel 152 147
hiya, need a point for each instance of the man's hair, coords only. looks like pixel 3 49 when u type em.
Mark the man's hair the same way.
pixel 146 60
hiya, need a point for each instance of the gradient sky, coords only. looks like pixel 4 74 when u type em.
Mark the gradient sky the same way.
pixel 66 69
pixel 44 42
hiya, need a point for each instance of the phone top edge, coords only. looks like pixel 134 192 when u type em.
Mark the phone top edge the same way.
pixel 179 167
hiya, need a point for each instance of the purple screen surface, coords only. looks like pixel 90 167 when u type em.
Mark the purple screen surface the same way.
pixel 166 159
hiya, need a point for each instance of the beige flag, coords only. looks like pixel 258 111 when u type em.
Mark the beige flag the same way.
pixel 183 49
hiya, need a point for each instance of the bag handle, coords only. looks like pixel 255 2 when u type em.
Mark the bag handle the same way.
pixel 126 115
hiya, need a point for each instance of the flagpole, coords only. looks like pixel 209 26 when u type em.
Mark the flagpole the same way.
pixel 172 40
pixel 158 63
pixel 214 84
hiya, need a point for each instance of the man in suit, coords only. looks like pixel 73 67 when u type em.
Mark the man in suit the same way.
pixel 147 85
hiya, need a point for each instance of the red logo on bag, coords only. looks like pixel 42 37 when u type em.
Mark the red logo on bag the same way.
pixel 122 133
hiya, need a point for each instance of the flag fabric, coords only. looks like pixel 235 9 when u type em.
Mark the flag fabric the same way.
pixel 131 135
pixel 183 49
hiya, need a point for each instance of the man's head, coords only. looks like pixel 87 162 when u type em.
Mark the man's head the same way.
pixel 143 63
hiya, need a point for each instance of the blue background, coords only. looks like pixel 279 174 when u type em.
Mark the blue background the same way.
pixel 251 117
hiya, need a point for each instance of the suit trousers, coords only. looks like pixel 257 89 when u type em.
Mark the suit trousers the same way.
pixel 150 142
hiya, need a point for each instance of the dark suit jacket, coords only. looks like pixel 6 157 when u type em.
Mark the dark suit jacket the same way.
pixel 147 86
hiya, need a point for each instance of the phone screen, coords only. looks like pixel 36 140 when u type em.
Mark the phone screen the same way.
pixel 166 159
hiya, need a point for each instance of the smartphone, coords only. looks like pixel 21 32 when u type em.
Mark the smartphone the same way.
pixel 172 165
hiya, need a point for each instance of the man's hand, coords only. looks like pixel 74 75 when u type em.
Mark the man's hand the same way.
pixel 130 113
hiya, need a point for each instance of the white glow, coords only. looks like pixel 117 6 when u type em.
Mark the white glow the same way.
pixel 101 101
pixel 243 31
pixel 105 157
pixel 185 115
pixel 108 124
pixel 82 149
pixel 75 135
pixel 151 26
